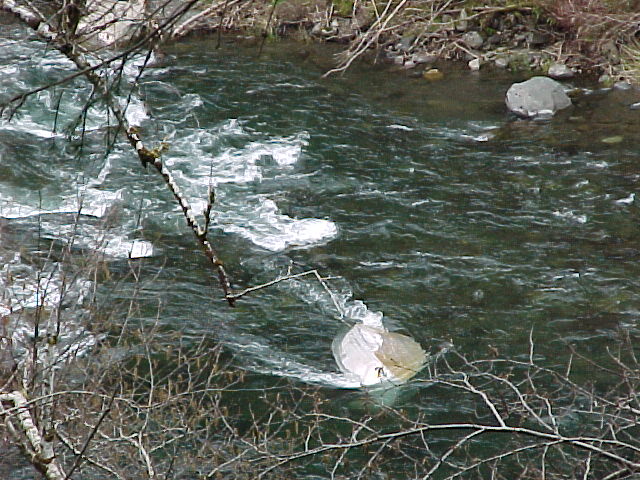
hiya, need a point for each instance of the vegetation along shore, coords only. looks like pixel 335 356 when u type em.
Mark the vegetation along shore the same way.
pixel 560 38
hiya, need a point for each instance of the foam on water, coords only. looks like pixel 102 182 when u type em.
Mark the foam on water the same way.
pixel 293 369
pixel 229 156
pixel 234 165
pixel 396 126
pixel 570 215
pixel 264 358
pixel 334 309
pixel 27 125
pixel 263 225
pixel 135 112
pixel 255 217
pixel 334 300
pixel 109 243
pixel 358 311
pixel 23 290
pixel 131 69
pixel 64 194
pixel 89 202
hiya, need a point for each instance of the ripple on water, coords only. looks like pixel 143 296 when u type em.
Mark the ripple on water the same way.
pixel 458 225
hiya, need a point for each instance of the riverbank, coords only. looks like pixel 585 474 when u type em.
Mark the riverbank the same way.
pixel 556 38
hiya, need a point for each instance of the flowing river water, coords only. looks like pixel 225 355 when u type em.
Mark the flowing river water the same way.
pixel 425 201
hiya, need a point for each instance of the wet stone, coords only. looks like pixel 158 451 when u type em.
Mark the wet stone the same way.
pixel 622 85
pixel 448 21
pixel 433 74
pixel 474 65
pixel 559 71
pixel 537 97
pixel 605 80
pixel 424 58
pixel 535 39
pixel 495 39
pixel 462 24
pixel 612 140
pixel 406 43
pixel 473 40
pixel 501 62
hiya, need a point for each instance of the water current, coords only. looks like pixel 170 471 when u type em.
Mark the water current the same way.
pixel 426 201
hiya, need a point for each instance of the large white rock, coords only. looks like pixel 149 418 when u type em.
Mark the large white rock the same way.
pixel 537 97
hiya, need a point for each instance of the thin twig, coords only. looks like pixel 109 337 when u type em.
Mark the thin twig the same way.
pixel 80 455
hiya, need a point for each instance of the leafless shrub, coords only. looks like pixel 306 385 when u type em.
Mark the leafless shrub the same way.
pixel 596 29
pixel 146 401
pixel 524 421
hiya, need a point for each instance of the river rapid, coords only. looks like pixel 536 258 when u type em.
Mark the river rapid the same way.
pixel 425 201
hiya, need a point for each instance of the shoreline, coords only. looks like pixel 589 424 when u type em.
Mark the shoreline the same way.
pixel 521 38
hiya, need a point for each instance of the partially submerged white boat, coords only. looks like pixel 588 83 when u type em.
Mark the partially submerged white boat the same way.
pixel 368 354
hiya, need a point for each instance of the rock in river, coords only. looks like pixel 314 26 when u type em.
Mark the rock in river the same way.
pixel 537 97
pixel 433 74
pixel 474 65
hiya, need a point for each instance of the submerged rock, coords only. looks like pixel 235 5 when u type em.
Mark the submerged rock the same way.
pixel 433 74
pixel 537 97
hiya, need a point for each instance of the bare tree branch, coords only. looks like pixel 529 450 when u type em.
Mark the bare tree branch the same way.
pixel 42 458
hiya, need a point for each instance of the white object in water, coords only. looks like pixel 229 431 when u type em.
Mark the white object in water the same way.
pixel 627 200
pixel 141 249
pixel 371 355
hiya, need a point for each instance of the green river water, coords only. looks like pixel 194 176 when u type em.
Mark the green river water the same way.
pixel 427 201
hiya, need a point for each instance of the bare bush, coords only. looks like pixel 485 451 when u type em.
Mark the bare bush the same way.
pixel 597 30
pixel 141 400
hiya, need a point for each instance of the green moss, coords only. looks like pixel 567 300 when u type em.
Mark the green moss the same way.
pixel 343 8
pixel 520 63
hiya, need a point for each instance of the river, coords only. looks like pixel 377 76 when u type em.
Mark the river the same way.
pixel 425 201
